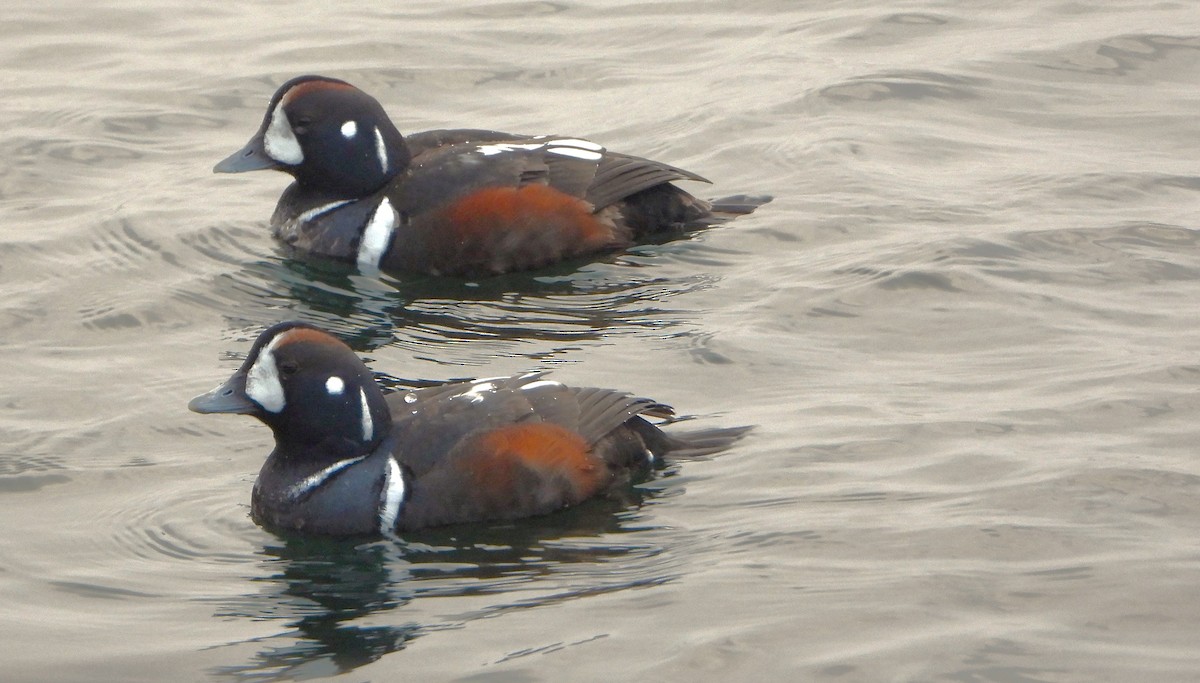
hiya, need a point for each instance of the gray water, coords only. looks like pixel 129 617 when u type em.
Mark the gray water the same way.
pixel 967 330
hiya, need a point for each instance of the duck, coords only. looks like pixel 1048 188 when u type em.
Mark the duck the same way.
pixel 456 202
pixel 350 460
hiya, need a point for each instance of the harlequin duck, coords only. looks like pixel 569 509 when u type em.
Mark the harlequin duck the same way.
pixel 349 460
pixel 455 202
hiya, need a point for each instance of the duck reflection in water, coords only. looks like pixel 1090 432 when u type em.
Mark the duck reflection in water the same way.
pixel 563 305
pixel 347 603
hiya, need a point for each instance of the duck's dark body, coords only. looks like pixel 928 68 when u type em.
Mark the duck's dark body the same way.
pixel 485 450
pixel 454 202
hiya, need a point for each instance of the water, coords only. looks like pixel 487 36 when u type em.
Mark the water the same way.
pixel 967 329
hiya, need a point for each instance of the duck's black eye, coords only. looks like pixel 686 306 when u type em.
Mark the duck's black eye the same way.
pixel 300 127
pixel 288 367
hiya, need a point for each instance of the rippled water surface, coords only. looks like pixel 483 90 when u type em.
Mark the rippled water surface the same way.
pixel 967 329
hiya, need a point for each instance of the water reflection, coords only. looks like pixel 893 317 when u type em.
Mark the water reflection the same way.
pixel 515 314
pixel 346 603
pixel 322 587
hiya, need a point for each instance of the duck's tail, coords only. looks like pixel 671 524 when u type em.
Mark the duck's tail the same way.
pixel 703 442
pixel 730 207
pixel 683 445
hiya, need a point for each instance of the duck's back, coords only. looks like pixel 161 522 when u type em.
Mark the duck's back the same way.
pixel 516 447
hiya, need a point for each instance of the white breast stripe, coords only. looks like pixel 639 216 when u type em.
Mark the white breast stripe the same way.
pixel 392 497
pixel 541 383
pixel 368 425
pixel 377 236
pixel 316 479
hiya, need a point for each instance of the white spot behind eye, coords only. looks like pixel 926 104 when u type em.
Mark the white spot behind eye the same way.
pixel 280 141
pixel 262 379
pixel 349 129
pixel 377 235
pixel 335 385
pixel 381 150
pixel 368 425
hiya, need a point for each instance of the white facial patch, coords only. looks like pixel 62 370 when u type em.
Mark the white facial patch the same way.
pixel 392 496
pixel 381 150
pixel 335 385
pixel 262 379
pixel 368 425
pixel 349 129
pixel 280 141
pixel 319 477
pixel 377 236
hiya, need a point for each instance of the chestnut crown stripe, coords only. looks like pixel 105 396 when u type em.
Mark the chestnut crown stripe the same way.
pixel 297 335
pixel 317 83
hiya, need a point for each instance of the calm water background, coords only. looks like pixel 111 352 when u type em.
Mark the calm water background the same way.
pixel 968 330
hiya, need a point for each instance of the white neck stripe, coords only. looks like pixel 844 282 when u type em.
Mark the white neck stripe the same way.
pixel 317 211
pixel 381 151
pixel 321 476
pixel 368 425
